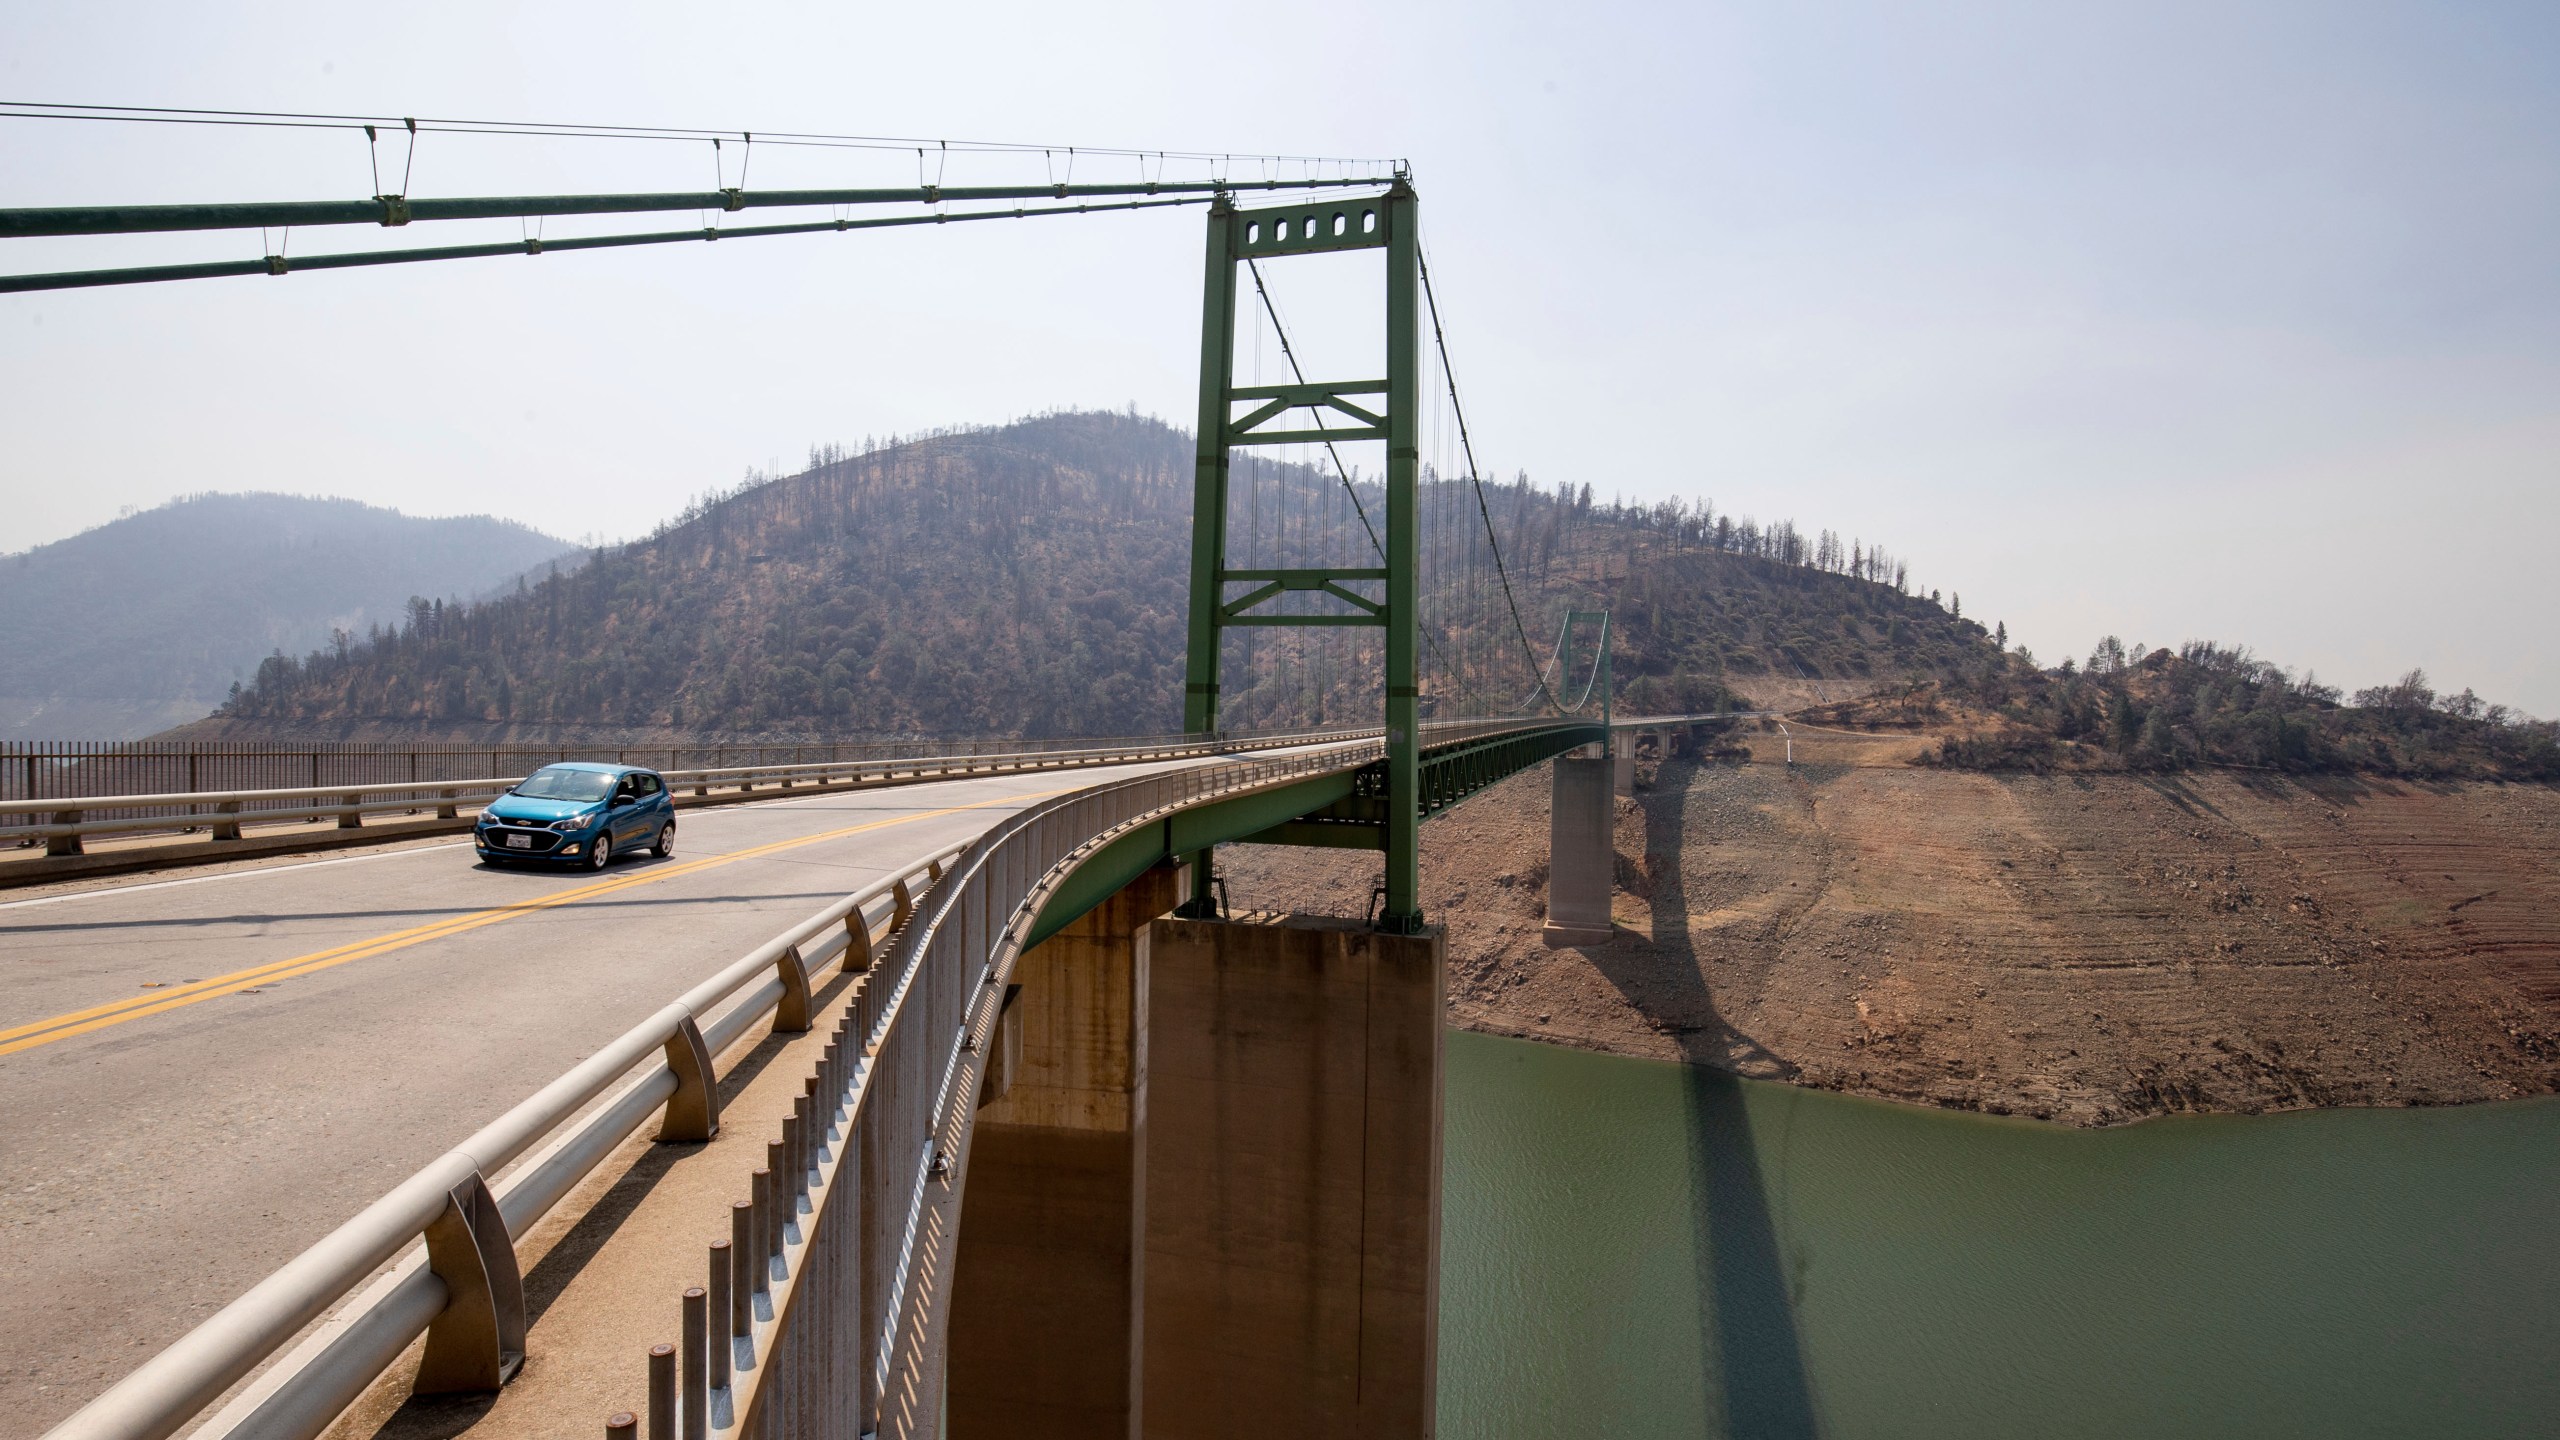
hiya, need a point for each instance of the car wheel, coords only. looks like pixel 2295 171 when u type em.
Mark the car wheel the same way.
pixel 602 853
pixel 664 847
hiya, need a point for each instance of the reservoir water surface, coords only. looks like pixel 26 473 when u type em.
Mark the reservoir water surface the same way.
pixel 1637 1248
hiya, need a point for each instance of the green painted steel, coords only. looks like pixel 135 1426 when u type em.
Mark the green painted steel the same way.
pixel 1187 835
pixel 281 265
pixel 1402 913
pixel 1349 809
pixel 1209 502
pixel 1449 773
pixel 1383 222
pixel 393 210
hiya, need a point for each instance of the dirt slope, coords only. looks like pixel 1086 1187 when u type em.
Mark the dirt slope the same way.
pixel 2089 949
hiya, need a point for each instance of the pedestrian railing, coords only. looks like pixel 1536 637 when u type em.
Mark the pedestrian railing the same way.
pixel 221 814
pixel 824 1310
pixel 51 769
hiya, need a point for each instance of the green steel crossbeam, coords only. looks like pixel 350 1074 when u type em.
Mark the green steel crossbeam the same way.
pixel 1280 399
pixel 1236 611
pixel 1321 435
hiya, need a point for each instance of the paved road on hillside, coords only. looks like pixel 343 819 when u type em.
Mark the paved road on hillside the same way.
pixel 153 1168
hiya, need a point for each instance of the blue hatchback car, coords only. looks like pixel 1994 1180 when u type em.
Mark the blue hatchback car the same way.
pixel 579 814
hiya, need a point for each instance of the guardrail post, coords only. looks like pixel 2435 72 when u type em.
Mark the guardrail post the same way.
pixel 791 1017
pixel 227 829
pixel 857 942
pixel 349 817
pixel 905 901
pixel 476 1343
pixel 693 1112
pixel 63 844
pixel 445 811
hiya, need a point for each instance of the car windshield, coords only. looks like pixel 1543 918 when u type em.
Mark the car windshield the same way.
pixel 557 783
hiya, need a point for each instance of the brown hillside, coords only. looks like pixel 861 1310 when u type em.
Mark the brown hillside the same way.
pixel 1031 580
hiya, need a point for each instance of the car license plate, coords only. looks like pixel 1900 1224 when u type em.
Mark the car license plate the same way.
pixel 519 842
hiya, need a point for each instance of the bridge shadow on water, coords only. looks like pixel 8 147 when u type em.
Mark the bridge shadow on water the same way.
pixel 1747 1332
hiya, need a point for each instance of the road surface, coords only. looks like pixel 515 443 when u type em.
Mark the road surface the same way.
pixel 155 1162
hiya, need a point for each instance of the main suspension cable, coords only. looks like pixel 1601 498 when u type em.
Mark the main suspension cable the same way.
pixel 1467 443
pixel 568 130
pixel 1295 369
pixel 1343 473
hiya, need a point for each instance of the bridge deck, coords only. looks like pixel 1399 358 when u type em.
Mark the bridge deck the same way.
pixel 160 1165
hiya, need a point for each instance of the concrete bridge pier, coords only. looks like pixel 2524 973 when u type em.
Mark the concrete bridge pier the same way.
pixel 1047 1293
pixel 1581 859
pixel 1209 1203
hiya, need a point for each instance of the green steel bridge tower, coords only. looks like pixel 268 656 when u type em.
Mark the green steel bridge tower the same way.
pixel 1315 226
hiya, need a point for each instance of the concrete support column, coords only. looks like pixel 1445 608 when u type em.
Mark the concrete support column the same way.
pixel 1293 1180
pixel 1047 1304
pixel 1580 856
pixel 1622 762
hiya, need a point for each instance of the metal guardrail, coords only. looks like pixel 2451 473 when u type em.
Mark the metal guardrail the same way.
pixel 222 813
pixel 860 1205
pixel 463 1290
pixel 892 1097
pixel 50 769
pixel 849 1233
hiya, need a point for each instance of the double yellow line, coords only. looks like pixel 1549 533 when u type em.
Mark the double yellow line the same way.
pixel 99 1017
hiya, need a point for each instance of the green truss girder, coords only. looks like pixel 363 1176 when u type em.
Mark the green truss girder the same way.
pixel 1345 810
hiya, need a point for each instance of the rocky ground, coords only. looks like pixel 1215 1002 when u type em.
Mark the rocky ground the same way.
pixel 2090 950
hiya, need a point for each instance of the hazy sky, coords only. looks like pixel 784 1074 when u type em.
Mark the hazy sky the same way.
pixel 2231 321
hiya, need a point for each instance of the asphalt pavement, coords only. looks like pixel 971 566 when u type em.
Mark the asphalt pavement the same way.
pixel 329 1026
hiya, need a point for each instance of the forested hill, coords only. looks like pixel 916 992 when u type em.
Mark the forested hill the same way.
pixel 146 621
pixel 1029 580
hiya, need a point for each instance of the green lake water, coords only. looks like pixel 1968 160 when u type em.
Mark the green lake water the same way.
pixel 1635 1248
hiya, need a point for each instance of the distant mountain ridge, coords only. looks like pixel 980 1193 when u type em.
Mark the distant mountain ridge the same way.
pixel 147 621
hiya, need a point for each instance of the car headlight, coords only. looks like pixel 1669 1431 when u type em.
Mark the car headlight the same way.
pixel 573 824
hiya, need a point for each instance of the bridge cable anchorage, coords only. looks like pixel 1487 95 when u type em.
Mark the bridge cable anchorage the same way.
pixel 1343 473
pixel 1466 442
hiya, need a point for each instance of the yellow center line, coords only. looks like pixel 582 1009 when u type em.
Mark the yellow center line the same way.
pixel 99 1017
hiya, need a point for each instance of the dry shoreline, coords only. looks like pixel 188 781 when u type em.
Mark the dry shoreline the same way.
pixel 2087 950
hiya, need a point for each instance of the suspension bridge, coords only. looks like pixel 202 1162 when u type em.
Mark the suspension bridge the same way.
pixel 1019 1129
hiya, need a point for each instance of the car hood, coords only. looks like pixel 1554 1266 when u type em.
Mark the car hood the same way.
pixel 540 812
